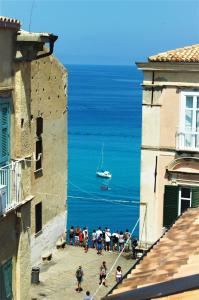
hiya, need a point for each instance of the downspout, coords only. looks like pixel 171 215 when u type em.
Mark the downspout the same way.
pixel 152 88
pixel 51 42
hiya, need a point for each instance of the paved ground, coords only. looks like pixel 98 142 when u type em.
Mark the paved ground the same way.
pixel 57 277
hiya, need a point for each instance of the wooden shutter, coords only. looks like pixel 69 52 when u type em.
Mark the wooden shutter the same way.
pixel 7 279
pixel 195 197
pixel 4 133
pixel 2 290
pixel 170 213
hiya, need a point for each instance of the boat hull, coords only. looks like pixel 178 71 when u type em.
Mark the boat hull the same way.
pixel 103 175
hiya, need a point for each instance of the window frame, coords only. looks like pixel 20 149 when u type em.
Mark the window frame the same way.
pixel 184 95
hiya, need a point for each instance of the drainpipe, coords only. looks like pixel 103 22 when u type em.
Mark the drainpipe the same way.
pixel 152 89
pixel 53 38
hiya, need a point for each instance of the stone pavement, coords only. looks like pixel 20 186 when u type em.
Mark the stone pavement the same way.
pixel 57 277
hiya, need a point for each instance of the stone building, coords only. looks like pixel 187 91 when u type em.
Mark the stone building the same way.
pixel 170 139
pixel 33 154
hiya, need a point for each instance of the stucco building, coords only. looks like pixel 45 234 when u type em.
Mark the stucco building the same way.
pixel 33 154
pixel 170 139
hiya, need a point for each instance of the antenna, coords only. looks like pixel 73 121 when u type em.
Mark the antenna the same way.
pixel 1 7
pixel 31 12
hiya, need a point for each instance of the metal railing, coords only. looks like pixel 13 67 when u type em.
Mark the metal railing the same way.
pixel 187 141
pixel 10 186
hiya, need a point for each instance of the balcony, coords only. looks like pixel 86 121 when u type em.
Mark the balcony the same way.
pixel 187 141
pixel 10 187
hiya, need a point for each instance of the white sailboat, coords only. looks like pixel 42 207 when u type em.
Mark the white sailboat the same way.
pixel 101 172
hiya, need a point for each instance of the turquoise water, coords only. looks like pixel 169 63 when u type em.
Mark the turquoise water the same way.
pixel 104 107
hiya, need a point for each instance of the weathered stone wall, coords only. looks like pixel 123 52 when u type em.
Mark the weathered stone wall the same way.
pixel 15 245
pixel 7 52
pixel 49 101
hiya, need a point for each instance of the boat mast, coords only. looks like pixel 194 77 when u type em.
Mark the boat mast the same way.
pixel 102 161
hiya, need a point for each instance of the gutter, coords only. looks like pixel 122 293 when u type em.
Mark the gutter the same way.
pixel 162 289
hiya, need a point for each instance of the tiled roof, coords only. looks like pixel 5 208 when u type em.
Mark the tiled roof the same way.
pixel 6 22
pixel 190 295
pixel 186 54
pixel 176 255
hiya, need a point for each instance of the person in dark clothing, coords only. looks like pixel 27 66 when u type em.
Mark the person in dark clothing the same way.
pixel 102 277
pixel 134 245
pixel 79 276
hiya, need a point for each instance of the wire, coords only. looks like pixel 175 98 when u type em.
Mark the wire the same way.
pixel 84 191
pixel 111 269
pixel 104 199
pixel 80 189
pixel 31 13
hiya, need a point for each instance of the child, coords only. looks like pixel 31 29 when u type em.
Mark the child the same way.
pixel 118 274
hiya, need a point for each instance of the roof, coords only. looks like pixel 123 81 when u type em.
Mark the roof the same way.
pixel 174 257
pixel 10 23
pixel 41 37
pixel 188 54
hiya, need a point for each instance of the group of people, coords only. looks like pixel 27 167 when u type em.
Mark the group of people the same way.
pixel 102 239
pixel 102 278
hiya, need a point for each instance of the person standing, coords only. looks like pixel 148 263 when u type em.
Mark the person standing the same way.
pixel 102 277
pixel 79 276
pixel 115 239
pixel 81 238
pixel 71 235
pixel 85 241
pixel 107 239
pixel 77 231
pixel 94 239
pixel 121 241
pixel 118 274
pixel 98 232
pixel 99 244
pixel 87 297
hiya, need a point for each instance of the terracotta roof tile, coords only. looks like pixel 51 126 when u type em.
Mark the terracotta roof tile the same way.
pixel 6 22
pixel 176 255
pixel 186 54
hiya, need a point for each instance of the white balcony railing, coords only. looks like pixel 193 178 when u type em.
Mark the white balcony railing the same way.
pixel 10 186
pixel 187 141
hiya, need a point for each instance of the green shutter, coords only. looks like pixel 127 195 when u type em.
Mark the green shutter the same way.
pixel 170 213
pixel 7 276
pixel 4 132
pixel 2 290
pixel 195 197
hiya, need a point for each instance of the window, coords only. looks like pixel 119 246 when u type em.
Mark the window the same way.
pixel 189 123
pixel 39 154
pixel 176 200
pixel 4 133
pixel 39 148
pixel 184 199
pixel 38 217
pixel 39 126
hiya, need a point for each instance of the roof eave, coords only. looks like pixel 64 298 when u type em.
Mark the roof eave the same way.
pixel 168 66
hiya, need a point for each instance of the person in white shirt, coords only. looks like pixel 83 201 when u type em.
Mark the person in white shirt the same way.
pixel 121 241
pixel 107 239
pixel 118 274
pixel 98 232
pixel 94 239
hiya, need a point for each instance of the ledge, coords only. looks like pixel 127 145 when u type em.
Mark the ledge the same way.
pixel 27 199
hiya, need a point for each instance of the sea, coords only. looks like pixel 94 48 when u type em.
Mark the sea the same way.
pixel 104 104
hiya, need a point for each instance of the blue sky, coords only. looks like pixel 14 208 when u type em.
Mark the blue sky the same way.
pixel 110 31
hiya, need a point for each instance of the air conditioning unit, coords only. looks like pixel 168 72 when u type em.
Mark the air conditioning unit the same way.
pixel 3 198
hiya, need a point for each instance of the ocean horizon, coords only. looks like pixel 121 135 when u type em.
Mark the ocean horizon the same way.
pixel 104 109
